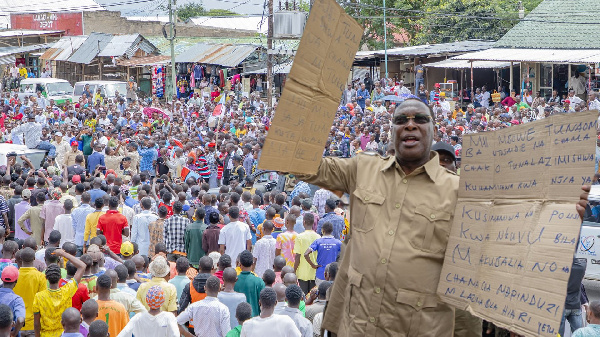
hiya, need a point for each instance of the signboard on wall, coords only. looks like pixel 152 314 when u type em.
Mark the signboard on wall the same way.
pixel 71 23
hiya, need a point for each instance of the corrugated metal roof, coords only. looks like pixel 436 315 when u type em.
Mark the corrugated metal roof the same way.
pixel 62 49
pixel 6 51
pixel 575 56
pixel 127 45
pixel 465 64
pixel 20 6
pixel 556 24
pixel 90 48
pixel 252 23
pixel 440 49
pixel 227 55
pixel 144 61
pixel 119 44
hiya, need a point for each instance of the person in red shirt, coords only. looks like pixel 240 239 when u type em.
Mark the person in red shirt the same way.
pixel 82 293
pixel 112 225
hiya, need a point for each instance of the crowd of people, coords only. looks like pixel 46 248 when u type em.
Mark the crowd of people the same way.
pixel 148 217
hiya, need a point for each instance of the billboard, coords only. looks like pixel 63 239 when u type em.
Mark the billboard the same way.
pixel 71 23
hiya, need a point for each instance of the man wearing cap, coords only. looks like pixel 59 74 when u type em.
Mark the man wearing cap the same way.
pixel 447 155
pixel 395 202
pixel 159 269
pixel 71 154
pixel 62 147
pixel 9 276
pixel 32 131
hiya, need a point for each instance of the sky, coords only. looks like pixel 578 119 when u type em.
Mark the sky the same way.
pixel 150 7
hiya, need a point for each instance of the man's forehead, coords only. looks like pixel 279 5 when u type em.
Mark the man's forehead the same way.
pixel 411 106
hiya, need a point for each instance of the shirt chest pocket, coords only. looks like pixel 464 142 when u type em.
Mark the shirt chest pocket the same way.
pixel 430 229
pixel 365 210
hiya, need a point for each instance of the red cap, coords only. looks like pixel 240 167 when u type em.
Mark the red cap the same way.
pixel 76 179
pixel 212 144
pixel 10 274
pixel 74 143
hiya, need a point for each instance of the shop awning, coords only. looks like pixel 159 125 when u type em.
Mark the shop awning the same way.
pixel 144 61
pixel 465 64
pixel 226 55
pixel 277 69
pixel 573 56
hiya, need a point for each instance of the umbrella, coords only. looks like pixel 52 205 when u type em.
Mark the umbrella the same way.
pixel 148 111
pixel 393 98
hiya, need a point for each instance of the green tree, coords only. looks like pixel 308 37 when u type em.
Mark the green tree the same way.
pixel 190 10
pixel 220 12
pixel 413 22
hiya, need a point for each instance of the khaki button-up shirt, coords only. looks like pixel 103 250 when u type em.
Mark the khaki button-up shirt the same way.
pixel 399 228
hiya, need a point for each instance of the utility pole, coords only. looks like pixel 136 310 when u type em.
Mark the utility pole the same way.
pixel 385 40
pixel 171 39
pixel 270 56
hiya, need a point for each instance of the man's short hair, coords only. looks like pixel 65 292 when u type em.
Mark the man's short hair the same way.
pixel 246 258
pixel 268 298
pixel 234 212
pixel 224 261
pixel 327 227
pixel 293 294
pixel 269 276
pixel 122 273
pixel 330 203
pixel 213 284
pixel 595 308
pixel 323 287
pixel 6 316
pixel 98 328
pixel 104 281
pixel 243 312
pixel 182 264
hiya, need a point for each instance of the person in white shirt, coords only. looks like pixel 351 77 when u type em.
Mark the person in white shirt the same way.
pixel 401 90
pixel 64 224
pixel 485 97
pixel 594 104
pixel 210 316
pixel 154 323
pixel 269 324
pixel 235 237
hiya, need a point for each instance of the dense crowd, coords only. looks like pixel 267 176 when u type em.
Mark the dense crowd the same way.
pixel 151 218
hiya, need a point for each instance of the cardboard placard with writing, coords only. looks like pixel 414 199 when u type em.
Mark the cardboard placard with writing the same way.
pixel 309 102
pixel 515 229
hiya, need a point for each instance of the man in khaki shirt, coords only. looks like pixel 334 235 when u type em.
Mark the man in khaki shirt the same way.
pixel 402 211
pixel 69 157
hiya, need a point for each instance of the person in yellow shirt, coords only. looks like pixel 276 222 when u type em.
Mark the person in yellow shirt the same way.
pixel 110 311
pixel 91 222
pixel 31 281
pixel 49 304
pixel 22 71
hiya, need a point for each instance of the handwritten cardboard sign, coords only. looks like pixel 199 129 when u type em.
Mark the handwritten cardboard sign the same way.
pixel 309 102
pixel 515 226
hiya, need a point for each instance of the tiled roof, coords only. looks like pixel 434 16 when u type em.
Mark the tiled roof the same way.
pixel 556 24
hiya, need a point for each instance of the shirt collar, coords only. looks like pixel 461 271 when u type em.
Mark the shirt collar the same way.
pixel 432 167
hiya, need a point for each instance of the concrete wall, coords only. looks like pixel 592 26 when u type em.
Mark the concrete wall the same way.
pixel 112 23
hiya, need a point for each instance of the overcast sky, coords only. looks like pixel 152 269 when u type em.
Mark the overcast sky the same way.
pixel 146 7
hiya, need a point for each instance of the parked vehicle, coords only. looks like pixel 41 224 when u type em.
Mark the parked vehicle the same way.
pixel 52 88
pixel 108 89
pixel 589 248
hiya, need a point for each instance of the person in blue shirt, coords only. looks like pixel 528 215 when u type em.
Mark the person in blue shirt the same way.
pixel 593 318
pixel 12 301
pixel 361 95
pixel 328 249
pixel 96 158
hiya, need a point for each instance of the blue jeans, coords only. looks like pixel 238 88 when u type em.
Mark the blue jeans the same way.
pixel 575 320
pixel 418 82
pixel 46 146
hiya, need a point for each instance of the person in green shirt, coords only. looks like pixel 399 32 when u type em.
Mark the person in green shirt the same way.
pixel 249 284
pixel 85 136
pixel 193 238
pixel 243 312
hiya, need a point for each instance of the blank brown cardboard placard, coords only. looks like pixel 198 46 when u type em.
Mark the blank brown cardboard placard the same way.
pixel 515 226
pixel 309 102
